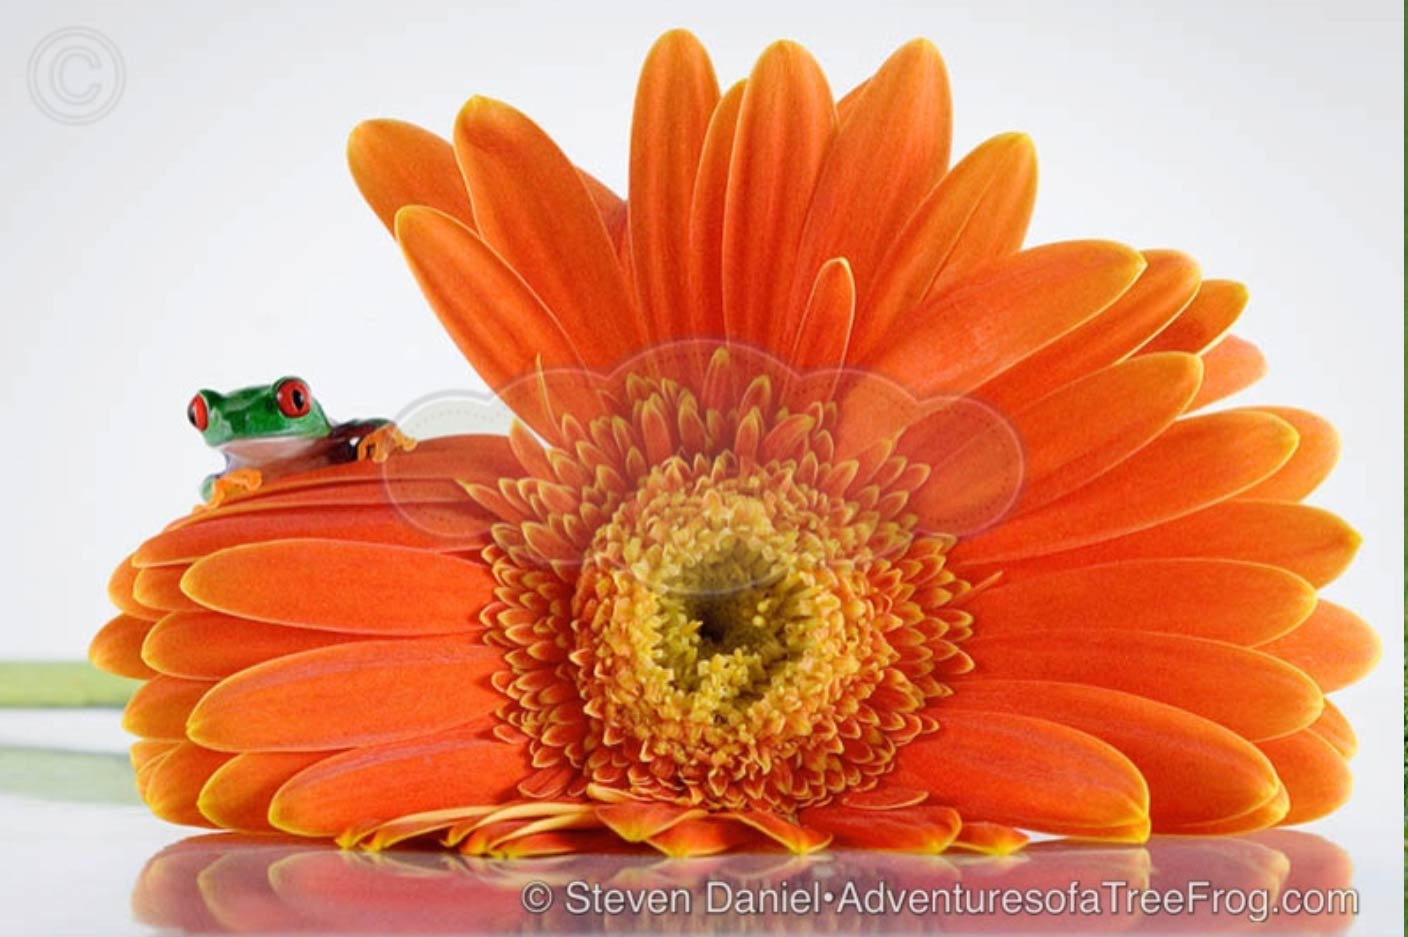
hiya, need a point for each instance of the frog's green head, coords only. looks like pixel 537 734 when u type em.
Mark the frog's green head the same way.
pixel 281 410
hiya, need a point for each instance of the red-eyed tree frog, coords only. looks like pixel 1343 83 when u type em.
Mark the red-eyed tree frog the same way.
pixel 278 429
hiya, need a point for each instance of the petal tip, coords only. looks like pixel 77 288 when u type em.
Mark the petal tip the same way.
pixel 479 109
pixel 673 41
pixel 1018 142
pixel 364 136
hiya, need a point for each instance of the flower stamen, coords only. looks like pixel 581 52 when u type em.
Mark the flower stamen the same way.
pixel 740 632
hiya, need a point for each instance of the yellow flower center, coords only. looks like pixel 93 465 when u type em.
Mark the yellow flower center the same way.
pixel 725 617
pixel 725 614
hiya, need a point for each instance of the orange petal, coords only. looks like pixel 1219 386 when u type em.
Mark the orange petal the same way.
pixel 786 122
pixel 159 708
pixel 352 694
pixel 174 785
pixel 1259 818
pixel 120 586
pixel 143 751
pixel 159 587
pixel 923 829
pixel 675 100
pixel 533 208
pixel 146 769
pixel 407 494
pixel 1082 430
pixel 1316 777
pixel 238 794
pixel 791 836
pixel 976 465
pixel 415 825
pixel 991 839
pixel 1205 320
pixel 849 100
pixel 117 648
pixel 494 318
pixel 873 178
pixel 560 843
pixel 885 797
pixel 706 836
pixel 1334 728
pixel 1310 542
pixel 824 330
pixel 1165 287
pixel 1029 773
pixel 209 646
pixel 366 787
pixel 145 755
pixel 1002 313
pixel 397 164
pixel 1253 694
pixel 637 821
pixel 1194 463
pixel 706 218
pixel 612 209
pixel 1231 365
pixel 1334 646
pixel 977 213
pixel 873 411
pixel 482 833
pixel 1241 603
pixel 451 528
pixel 1197 770
pixel 343 586
pixel 1315 456
pixel 544 398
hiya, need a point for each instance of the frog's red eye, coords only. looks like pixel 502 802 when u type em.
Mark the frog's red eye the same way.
pixel 293 397
pixel 198 413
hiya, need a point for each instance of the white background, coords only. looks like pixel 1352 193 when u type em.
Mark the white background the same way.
pixel 206 233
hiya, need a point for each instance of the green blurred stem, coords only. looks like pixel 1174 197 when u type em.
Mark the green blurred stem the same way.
pixel 42 684
pixel 67 776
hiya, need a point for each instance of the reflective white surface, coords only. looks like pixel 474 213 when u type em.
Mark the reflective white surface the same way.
pixel 82 857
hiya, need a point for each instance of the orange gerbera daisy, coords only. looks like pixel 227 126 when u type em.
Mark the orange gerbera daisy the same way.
pixel 833 516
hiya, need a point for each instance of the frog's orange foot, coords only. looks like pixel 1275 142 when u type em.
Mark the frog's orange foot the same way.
pixel 237 482
pixel 380 443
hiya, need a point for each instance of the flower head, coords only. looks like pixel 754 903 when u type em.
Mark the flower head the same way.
pixel 747 626
pixel 832 515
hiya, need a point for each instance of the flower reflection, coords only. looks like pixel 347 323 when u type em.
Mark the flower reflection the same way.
pixel 233 883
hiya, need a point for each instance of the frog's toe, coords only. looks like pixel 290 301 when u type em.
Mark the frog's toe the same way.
pixel 238 482
pixel 380 443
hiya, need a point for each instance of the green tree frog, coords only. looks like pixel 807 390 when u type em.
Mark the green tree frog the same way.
pixel 278 429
